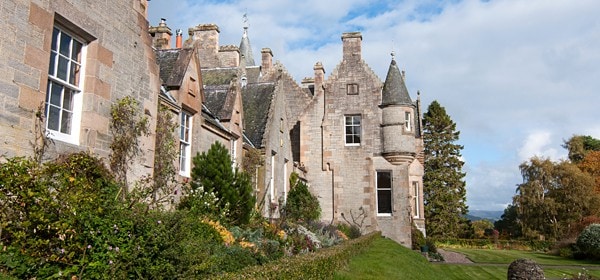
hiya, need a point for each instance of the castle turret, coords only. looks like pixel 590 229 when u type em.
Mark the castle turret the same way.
pixel 398 121
pixel 245 48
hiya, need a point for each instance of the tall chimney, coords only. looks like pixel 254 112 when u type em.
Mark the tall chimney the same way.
pixel 178 38
pixel 161 35
pixel 267 59
pixel 319 78
pixel 352 45
pixel 205 37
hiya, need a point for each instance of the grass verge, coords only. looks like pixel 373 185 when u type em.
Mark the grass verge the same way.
pixel 386 259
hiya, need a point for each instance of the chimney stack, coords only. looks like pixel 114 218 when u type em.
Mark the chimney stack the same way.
pixel 178 39
pixel 319 78
pixel 352 45
pixel 267 59
pixel 161 35
pixel 205 37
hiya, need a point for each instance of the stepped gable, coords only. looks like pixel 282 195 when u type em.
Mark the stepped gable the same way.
pixel 394 89
pixel 257 99
pixel 173 64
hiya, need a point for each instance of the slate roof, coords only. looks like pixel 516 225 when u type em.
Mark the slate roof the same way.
pixel 214 99
pixel 218 76
pixel 394 89
pixel 246 49
pixel 257 99
pixel 173 63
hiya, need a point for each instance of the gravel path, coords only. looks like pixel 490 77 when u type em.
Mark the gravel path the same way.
pixel 453 257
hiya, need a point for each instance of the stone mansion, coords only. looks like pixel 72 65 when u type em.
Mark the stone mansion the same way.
pixel 353 138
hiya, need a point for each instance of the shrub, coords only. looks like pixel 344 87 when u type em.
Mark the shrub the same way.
pixel 212 173
pixel 301 204
pixel 417 238
pixel 589 241
pixel 351 231
pixel 319 265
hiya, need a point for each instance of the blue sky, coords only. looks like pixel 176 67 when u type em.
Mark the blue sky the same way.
pixel 518 77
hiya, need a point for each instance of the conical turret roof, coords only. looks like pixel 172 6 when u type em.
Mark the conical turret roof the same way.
pixel 246 49
pixel 394 89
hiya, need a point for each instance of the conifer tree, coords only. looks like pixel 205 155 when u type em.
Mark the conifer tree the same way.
pixel 212 172
pixel 444 189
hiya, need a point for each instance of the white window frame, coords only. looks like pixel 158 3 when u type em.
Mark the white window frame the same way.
pixel 272 181
pixel 185 143
pixel 233 153
pixel 417 204
pixel 68 83
pixel 407 121
pixel 353 126
pixel 391 193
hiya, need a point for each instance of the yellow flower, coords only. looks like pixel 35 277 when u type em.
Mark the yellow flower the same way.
pixel 281 234
pixel 225 234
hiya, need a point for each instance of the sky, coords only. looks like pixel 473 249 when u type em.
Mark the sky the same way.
pixel 518 77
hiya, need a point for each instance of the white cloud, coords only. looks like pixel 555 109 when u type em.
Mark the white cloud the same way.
pixel 538 144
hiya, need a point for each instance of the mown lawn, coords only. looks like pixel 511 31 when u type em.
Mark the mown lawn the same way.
pixel 389 260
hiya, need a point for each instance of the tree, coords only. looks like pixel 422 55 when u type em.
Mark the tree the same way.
pixel 301 204
pixel 553 197
pixel 481 227
pixel 443 183
pixel 508 225
pixel 213 173
pixel 579 146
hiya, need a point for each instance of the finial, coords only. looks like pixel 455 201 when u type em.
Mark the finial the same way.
pixel 393 55
pixel 245 18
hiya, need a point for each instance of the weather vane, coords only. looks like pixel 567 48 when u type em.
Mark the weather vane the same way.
pixel 245 18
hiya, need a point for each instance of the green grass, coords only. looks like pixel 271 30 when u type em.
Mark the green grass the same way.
pixel 507 256
pixel 388 260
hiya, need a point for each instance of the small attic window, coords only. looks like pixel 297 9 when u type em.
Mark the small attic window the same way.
pixel 352 89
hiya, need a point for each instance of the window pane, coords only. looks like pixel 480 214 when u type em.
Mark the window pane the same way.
pixel 65 122
pixel 52 62
pixel 65 44
pixel 53 117
pixel 63 66
pixel 55 94
pixel 384 180
pixel 384 201
pixel 54 39
pixel 356 139
pixel 68 100
pixel 356 120
pixel 76 52
pixel 349 120
pixel 74 75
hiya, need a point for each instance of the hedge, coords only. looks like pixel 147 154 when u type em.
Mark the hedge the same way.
pixel 533 245
pixel 318 265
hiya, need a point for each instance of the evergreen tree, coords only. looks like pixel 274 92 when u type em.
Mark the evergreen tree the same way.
pixel 213 173
pixel 444 189
pixel 301 204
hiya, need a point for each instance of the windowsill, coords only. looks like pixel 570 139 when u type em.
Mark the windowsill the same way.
pixel 352 145
pixel 57 136
pixel 384 215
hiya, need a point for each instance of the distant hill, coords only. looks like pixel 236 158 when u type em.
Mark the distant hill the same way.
pixel 475 215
